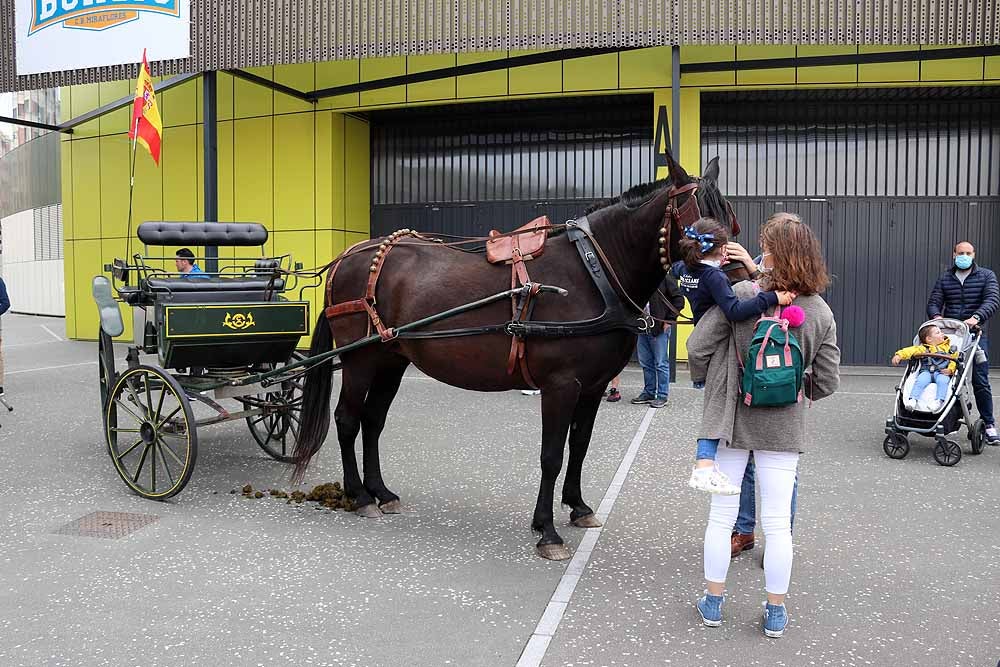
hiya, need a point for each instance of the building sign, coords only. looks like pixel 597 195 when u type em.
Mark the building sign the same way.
pixel 56 35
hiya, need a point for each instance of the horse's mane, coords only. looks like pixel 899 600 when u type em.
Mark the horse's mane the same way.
pixel 631 198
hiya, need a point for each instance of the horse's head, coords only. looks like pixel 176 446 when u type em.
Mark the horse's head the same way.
pixel 692 198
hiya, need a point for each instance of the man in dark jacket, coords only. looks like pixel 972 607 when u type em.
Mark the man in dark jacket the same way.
pixel 653 348
pixel 970 293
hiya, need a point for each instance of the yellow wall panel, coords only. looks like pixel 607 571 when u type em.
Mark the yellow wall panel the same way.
pixel 66 183
pixel 765 76
pixel 180 176
pixel 253 183
pixel 543 78
pixel 69 284
pixel 373 69
pixel 87 189
pixel 179 105
pixel 690 152
pixel 887 72
pixel 294 165
pixel 116 121
pixel 708 54
pixel 828 74
pixel 645 68
pixel 199 178
pixel 338 73
pixel 323 158
pixel 65 106
pixel 592 73
pixel 224 84
pixel 225 159
pixel 438 89
pixel 114 178
pixel 338 169
pixel 357 182
pixel 301 77
pixel 250 99
pixel 992 67
pixel 485 84
pixel 350 238
pixel 85 98
pixel 958 69
pixel 88 261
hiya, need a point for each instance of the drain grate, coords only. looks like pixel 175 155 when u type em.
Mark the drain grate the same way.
pixel 111 525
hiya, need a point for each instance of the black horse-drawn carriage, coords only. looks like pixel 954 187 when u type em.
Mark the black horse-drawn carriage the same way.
pixel 214 335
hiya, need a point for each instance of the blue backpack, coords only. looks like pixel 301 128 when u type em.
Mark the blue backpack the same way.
pixel 773 369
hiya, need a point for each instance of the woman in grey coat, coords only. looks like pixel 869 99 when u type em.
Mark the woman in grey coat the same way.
pixel 793 261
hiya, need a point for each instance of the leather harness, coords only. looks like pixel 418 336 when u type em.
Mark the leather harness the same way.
pixel 616 315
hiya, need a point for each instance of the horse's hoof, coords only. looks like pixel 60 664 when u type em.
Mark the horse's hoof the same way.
pixel 553 551
pixel 369 511
pixel 392 507
pixel 589 521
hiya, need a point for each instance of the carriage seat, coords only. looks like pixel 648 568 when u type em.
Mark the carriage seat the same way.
pixel 528 239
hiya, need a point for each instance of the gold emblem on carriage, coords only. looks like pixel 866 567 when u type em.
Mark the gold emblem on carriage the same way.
pixel 239 321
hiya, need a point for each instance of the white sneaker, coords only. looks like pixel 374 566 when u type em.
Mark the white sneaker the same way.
pixel 936 405
pixel 712 480
pixel 531 392
pixel 910 403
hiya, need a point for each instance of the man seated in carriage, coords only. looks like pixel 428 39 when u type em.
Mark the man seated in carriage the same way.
pixel 186 266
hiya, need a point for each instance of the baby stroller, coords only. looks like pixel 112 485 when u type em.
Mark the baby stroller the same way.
pixel 955 412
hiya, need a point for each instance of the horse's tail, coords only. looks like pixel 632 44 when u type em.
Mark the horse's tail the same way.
pixel 315 401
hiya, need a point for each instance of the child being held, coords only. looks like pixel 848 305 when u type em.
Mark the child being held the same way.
pixel 704 284
pixel 932 369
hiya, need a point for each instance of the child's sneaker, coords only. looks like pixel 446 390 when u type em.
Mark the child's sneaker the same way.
pixel 712 480
pixel 613 396
pixel 710 608
pixel 910 403
pixel 775 619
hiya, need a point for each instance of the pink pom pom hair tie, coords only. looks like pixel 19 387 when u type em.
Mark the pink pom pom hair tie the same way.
pixel 795 316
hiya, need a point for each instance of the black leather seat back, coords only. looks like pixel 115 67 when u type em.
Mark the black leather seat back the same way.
pixel 202 233
pixel 202 285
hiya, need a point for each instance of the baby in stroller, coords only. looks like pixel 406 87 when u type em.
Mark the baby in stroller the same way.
pixel 933 369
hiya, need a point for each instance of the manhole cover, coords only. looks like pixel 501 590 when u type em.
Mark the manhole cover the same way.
pixel 111 525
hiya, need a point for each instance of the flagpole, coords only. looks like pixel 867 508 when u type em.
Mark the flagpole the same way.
pixel 131 186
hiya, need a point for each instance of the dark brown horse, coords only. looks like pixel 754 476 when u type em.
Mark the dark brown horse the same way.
pixel 421 279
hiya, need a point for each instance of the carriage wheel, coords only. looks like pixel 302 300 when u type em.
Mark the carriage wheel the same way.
pixel 977 434
pixel 947 452
pixel 151 433
pixel 896 446
pixel 276 430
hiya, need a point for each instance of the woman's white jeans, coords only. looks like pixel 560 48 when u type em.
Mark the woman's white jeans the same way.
pixel 776 472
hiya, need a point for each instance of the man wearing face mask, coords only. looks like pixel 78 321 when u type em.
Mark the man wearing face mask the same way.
pixel 970 293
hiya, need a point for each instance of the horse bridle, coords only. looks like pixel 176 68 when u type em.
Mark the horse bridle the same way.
pixel 683 216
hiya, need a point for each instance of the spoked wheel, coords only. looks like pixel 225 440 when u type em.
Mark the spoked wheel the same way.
pixel 896 446
pixel 151 433
pixel 947 452
pixel 277 428
pixel 977 434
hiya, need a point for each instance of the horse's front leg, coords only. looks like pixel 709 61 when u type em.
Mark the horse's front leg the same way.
pixel 557 413
pixel 581 429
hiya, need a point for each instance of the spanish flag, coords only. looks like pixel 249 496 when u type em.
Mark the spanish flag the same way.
pixel 146 127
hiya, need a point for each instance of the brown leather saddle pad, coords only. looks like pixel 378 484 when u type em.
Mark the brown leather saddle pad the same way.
pixel 529 240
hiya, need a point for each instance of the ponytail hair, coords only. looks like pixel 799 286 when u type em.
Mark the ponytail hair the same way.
pixel 702 238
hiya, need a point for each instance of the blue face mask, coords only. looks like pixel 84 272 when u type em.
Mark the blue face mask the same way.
pixel 963 262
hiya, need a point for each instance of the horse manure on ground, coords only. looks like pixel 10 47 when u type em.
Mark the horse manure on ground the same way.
pixel 329 496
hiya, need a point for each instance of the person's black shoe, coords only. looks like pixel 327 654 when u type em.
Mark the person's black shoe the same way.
pixel 613 396
pixel 642 399
pixel 657 402
pixel 1 391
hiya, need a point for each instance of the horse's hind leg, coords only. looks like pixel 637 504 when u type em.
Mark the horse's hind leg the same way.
pixel 579 440
pixel 380 396
pixel 355 381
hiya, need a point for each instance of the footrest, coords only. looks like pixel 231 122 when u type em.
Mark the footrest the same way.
pixel 107 307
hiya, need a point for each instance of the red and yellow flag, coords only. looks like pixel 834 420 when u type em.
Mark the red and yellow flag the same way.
pixel 146 127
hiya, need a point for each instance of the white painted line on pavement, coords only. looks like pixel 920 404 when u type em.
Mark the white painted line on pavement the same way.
pixel 52 333
pixel 51 368
pixel 538 644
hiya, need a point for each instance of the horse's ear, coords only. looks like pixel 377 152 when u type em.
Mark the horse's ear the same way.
pixel 677 174
pixel 712 170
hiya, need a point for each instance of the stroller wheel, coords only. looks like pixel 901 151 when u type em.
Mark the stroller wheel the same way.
pixel 947 452
pixel 977 434
pixel 896 446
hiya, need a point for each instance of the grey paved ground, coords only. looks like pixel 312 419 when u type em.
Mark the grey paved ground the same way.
pixel 895 560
